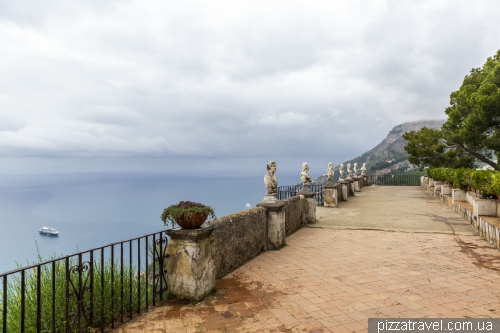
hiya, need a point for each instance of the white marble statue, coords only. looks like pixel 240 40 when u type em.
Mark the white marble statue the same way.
pixel 363 169
pixel 270 179
pixel 349 171
pixel 341 171
pixel 355 169
pixel 304 176
pixel 330 172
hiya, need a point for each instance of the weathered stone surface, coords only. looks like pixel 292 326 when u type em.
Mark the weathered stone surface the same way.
pixel 271 182
pixel 275 224
pixel 304 176
pixel 350 187
pixel 349 171
pixel 330 195
pixel 311 214
pixel 238 238
pixel 341 172
pixel 330 173
pixel 295 213
pixel 356 184
pixel 437 186
pixel 458 195
pixel 190 265
pixel 486 207
pixel 345 190
pixel 445 189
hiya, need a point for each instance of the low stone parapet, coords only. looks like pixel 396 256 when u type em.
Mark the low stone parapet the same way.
pixel 482 214
pixel 458 195
pixel 486 207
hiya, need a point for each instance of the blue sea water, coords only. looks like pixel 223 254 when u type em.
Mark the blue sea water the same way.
pixel 95 209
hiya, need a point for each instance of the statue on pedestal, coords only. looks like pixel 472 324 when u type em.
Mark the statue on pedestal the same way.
pixel 304 176
pixel 330 172
pixel 363 169
pixel 271 182
pixel 349 171
pixel 355 169
pixel 342 173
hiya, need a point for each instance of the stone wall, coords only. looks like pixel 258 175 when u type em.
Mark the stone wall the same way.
pixel 295 212
pixel 238 238
pixel 482 214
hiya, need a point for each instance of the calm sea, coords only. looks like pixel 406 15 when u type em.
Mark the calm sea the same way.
pixel 94 209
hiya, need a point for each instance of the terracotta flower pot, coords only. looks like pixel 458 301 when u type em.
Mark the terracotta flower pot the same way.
pixel 192 222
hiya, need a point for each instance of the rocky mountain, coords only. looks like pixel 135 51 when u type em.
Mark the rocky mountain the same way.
pixel 389 156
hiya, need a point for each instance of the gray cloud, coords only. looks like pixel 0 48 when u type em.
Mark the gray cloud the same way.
pixel 229 80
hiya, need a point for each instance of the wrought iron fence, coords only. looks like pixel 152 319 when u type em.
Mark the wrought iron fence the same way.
pixel 89 291
pixel 284 192
pixel 400 179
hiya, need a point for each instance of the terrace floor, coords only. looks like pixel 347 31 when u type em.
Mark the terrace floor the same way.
pixel 388 252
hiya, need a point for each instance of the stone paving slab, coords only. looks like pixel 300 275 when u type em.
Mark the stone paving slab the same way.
pixel 333 280
pixel 393 208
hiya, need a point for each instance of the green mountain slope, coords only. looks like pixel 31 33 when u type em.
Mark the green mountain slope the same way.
pixel 389 155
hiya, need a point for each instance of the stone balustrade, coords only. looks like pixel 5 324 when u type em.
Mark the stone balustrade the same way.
pixel 198 257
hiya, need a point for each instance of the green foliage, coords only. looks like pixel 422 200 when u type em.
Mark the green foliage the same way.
pixel 186 208
pixel 472 130
pixel 482 180
pixel 460 178
pixel 104 295
pixel 487 181
pixel 428 148
pixel 495 185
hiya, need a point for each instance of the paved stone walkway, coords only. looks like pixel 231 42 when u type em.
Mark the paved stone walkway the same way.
pixel 329 279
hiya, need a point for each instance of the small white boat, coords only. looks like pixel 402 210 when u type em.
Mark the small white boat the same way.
pixel 49 231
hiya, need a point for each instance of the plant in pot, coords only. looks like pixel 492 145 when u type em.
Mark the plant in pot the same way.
pixel 187 214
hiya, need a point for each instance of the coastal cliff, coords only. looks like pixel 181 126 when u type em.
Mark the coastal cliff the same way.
pixel 389 156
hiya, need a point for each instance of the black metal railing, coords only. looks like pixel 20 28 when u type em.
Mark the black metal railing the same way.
pixel 284 192
pixel 400 179
pixel 89 291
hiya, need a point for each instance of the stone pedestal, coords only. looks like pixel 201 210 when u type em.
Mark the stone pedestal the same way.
pixel 190 265
pixel 357 186
pixel 351 187
pixel 330 195
pixel 311 215
pixel 270 198
pixel 345 190
pixel 275 224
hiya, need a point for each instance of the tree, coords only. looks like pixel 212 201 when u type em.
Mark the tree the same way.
pixel 472 130
pixel 428 148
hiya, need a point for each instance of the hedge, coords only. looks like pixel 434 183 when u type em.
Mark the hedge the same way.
pixel 487 181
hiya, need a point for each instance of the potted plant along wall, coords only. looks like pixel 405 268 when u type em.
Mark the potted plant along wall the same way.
pixel 187 214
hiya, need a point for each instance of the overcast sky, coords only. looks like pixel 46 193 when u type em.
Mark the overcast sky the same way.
pixel 225 85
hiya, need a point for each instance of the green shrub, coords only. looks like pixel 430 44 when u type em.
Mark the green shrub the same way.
pixel 482 180
pixel 108 302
